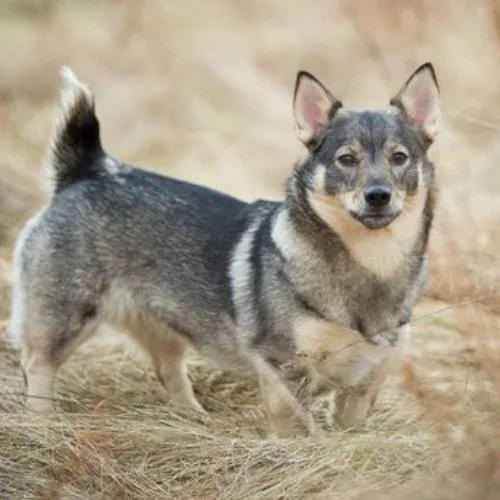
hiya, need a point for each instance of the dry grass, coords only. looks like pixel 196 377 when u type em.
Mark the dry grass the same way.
pixel 202 90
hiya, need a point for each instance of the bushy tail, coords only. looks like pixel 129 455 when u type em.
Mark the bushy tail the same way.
pixel 75 150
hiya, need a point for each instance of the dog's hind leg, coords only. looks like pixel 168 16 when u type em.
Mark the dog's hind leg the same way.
pixel 47 329
pixel 39 373
pixel 169 362
pixel 47 342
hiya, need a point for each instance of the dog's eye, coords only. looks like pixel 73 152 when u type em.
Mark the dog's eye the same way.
pixel 347 160
pixel 399 158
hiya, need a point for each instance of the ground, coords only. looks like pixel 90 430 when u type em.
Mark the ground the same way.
pixel 202 91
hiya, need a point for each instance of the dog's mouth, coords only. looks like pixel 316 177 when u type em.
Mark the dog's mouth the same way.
pixel 375 219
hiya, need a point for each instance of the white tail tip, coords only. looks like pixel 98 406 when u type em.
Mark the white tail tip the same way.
pixel 72 89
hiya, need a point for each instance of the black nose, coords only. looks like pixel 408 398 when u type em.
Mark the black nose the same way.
pixel 377 196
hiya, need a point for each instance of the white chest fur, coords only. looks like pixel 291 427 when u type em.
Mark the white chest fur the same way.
pixel 381 251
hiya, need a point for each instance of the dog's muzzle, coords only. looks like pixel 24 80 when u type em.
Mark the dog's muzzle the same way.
pixel 378 211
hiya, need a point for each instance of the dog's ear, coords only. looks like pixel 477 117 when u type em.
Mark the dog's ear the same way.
pixel 313 105
pixel 418 100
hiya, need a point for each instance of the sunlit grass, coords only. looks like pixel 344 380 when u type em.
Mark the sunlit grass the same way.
pixel 202 91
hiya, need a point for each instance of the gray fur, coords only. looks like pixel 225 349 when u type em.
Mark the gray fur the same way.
pixel 176 264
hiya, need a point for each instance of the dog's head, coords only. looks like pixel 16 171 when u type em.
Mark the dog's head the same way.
pixel 367 165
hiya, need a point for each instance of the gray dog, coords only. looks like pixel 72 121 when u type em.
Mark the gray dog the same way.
pixel 314 292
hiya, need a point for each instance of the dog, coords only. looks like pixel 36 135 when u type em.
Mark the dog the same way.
pixel 314 292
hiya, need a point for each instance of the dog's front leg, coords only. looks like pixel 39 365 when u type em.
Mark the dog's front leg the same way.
pixel 354 404
pixel 289 415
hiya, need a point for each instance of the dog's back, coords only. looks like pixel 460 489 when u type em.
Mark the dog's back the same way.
pixel 117 244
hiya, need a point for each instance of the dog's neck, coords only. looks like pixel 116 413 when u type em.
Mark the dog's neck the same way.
pixel 384 252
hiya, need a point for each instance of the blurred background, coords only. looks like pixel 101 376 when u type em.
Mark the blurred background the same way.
pixel 203 91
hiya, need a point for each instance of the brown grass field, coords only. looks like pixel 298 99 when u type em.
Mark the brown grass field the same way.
pixel 202 91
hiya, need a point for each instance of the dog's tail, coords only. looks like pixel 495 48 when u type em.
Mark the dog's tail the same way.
pixel 75 150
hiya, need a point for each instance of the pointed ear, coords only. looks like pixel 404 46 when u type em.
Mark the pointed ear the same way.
pixel 313 105
pixel 418 100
